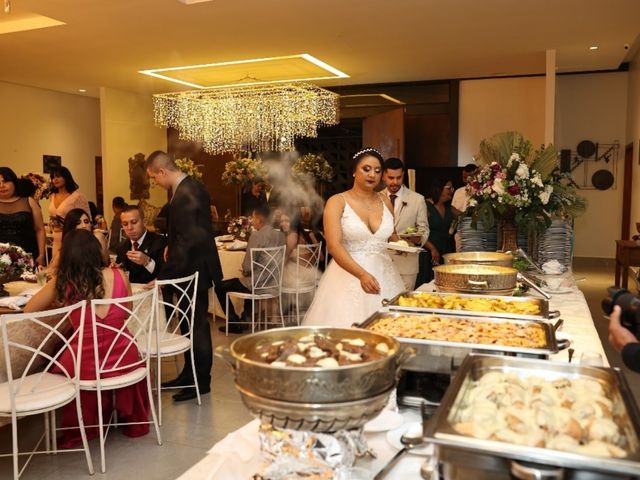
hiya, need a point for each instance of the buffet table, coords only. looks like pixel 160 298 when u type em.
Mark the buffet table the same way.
pixel 237 456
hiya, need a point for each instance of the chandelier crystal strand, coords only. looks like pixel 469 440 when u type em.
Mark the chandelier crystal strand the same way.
pixel 258 118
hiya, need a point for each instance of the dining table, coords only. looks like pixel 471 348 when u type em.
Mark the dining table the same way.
pixel 237 456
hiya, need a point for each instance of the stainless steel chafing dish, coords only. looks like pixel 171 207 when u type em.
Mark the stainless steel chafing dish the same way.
pixel 442 356
pixel 464 453
pixel 543 304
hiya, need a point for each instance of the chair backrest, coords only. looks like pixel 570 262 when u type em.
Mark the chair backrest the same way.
pixel 178 299
pixel 267 265
pixel 308 259
pixel 33 344
pixel 127 324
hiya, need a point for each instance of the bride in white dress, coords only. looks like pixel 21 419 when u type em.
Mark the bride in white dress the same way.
pixel 357 224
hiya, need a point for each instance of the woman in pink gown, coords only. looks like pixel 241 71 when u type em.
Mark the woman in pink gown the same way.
pixel 82 275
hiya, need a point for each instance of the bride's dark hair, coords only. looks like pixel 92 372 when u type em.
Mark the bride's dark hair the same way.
pixel 366 152
pixel 79 275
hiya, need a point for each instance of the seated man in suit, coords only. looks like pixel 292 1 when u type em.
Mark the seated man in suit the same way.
pixel 263 236
pixel 142 254
pixel 410 211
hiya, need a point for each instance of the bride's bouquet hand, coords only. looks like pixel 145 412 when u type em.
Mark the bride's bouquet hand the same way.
pixel 369 283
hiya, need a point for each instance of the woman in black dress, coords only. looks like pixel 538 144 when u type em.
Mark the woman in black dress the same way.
pixel 441 215
pixel 20 215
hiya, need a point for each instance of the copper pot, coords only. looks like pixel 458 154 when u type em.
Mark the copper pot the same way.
pixel 479 258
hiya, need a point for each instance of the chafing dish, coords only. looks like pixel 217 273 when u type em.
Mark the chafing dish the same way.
pixel 543 305
pixel 479 258
pixel 464 452
pixel 442 356
pixel 486 279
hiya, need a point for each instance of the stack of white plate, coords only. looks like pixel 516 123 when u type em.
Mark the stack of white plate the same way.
pixel 556 243
pixel 476 240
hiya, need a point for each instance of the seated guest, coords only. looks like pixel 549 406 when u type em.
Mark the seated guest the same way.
pixel 118 204
pixel 263 236
pixel 77 218
pixel 82 275
pixel 142 253
pixel 253 198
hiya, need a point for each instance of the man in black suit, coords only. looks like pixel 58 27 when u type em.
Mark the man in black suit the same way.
pixel 142 254
pixel 190 248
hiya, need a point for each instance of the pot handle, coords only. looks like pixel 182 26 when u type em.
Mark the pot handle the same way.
pixel 405 354
pixel 557 325
pixel 477 283
pixel 553 314
pixel 385 302
pixel 531 471
pixel 223 353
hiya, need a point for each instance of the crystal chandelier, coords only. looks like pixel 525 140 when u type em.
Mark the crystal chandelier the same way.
pixel 255 118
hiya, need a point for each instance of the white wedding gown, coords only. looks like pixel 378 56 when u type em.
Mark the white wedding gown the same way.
pixel 340 300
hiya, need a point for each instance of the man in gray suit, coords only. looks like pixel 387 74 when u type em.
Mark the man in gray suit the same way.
pixel 410 216
pixel 263 236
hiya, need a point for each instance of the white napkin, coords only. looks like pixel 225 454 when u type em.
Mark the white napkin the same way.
pixel 237 245
pixel 553 267
pixel 14 303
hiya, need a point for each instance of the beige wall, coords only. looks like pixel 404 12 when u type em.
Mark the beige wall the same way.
pixel 491 106
pixel 633 135
pixel 127 129
pixel 36 122
pixel 594 107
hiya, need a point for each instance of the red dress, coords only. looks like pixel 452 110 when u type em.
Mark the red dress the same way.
pixel 132 402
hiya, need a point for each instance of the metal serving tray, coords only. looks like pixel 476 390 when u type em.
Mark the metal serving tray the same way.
pixel 438 348
pixel 543 304
pixel 476 451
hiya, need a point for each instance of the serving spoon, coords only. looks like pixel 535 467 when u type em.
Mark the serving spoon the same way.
pixel 409 442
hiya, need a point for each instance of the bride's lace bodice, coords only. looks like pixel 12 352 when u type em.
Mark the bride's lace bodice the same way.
pixel 356 236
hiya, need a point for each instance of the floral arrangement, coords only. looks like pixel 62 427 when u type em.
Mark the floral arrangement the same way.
pixel 240 228
pixel 14 261
pixel 187 166
pixel 243 171
pixel 42 184
pixel 516 182
pixel 314 166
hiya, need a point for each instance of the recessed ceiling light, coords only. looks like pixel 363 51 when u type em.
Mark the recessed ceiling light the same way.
pixel 593 47
pixel 82 90
pixel 255 71
pixel 191 2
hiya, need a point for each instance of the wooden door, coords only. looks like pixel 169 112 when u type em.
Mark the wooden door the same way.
pixel 99 185
pixel 385 132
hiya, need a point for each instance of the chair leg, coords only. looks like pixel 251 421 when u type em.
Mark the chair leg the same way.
pixel 153 409
pixel 47 432
pixel 226 314
pixel 14 439
pixel 159 387
pixel 83 434
pixel 298 307
pixel 195 377
pixel 253 316
pixel 281 314
pixel 103 466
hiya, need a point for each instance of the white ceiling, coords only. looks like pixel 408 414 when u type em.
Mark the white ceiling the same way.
pixel 106 42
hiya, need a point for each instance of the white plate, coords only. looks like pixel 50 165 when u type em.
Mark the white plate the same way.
pixel 402 248
pixel 393 437
pixel 562 336
pixel 387 420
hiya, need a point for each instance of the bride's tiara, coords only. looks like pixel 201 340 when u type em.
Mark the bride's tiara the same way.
pixel 367 150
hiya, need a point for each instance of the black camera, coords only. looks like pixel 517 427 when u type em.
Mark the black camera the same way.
pixel 628 303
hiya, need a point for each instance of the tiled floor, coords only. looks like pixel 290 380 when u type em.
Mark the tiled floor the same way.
pixel 189 431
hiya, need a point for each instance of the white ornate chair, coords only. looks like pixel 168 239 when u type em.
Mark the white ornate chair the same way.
pixel 135 332
pixel 267 265
pixel 170 340
pixel 38 390
pixel 306 279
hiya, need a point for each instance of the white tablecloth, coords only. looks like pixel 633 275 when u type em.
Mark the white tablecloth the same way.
pixel 231 262
pixel 237 456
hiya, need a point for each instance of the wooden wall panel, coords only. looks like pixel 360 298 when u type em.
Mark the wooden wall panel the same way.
pixel 385 131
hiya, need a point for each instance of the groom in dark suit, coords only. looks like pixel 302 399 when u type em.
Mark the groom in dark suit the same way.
pixel 190 248
pixel 142 253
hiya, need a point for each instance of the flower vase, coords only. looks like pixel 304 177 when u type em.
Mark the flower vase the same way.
pixel 508 234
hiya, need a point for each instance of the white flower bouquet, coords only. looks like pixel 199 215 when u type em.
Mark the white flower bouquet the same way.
pixel 41 183
pixel 240 228
pixel 187 166
pixel 243 171
pixel 313 166
pixel 14 261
